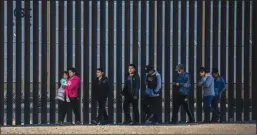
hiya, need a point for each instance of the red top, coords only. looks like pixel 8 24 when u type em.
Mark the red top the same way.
pixel 71 90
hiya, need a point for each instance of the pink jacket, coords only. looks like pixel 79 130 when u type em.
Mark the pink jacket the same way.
pixel 71 90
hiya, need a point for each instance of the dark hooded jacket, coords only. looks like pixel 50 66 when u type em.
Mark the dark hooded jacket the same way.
pixel 100 88
pixel 131 86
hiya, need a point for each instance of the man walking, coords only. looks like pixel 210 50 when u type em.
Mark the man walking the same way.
pixel 219 87
pixel 182 85
pixel 152 97
pixel 207 82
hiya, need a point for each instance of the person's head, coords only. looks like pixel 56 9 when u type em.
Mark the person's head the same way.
pixel 149 69
pixel 99 72
pixel 215 72
pixel 203 71
pixel 180 68
pixel 65 74
pixel 131 68
pixel 72 72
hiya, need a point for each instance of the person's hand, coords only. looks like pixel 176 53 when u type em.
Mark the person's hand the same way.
pixel 135 97
pixel 177 84
pixel 186 99
pixel 67 99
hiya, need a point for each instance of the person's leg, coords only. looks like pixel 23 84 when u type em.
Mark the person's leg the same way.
pixel 100 112
pixel 187 109
pixel 177 102
pixel 105 115
pixel 147 108
pixel 214 106
pixel 156 107
pixel 135 110
pixel 62 110
pixel 126 109
pixel 75 108
pixel 207 107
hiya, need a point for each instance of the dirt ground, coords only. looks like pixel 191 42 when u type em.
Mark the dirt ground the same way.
pixel 167 129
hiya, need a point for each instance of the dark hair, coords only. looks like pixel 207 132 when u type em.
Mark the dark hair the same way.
pixel 203 69
pixel 149 68
pixel 72 70
pixel 100 69
pixel 65 72
pixel 215 70
pixel 132 65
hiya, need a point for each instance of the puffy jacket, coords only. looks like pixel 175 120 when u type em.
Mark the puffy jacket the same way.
pixel 100 88
pixel 207 83
pixel 71 90
pixel 219 85
pixel 154 82
pixel 131 86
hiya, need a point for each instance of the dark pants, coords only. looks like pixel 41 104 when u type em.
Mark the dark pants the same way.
pixel 216 110
pixel 64 106
pixel 102 113
pixel 208 107
pixel 126 107
pixel 180 100
pixel 153 107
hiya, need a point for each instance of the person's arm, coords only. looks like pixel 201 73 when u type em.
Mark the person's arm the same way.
pixel 207 82
pixel 123 92
pixel 159 83
pixel 137 86
pixel 187 84
pixel 146 82
pixel 222 84
pixel 93 88
pixel 106 87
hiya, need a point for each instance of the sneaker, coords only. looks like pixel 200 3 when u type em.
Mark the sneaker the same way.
pixel 135 123
pixel 60 123
pixel 173 122
pixel 78 123
pixel 128 122
pixel 190 121
pixel 205 121
pixel 148 122
pixel 95 122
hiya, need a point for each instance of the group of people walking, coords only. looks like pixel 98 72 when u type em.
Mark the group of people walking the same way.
pixel 213 86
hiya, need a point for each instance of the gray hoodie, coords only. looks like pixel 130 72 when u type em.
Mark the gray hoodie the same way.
pixel 207 83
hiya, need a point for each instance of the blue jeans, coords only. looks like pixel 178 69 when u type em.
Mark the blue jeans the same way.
pixel 207 106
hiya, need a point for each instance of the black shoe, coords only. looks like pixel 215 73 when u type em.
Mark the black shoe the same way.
pixel 173 122
pixel 135 123
pixel 95 122
pixel 155 123
pixel 190 121
pixel 129 122
pixel 78 123
pixel 60 123
pixel 205 121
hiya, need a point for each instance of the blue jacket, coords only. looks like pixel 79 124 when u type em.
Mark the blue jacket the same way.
pixel 158 84
pixel 184 81
pixel 219 85
pixel 207 83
